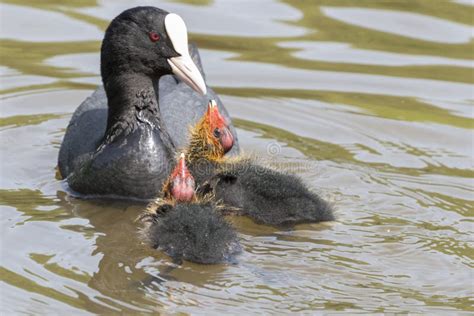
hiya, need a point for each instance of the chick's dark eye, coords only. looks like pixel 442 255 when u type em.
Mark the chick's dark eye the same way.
pixel 154 37
pixel 217 133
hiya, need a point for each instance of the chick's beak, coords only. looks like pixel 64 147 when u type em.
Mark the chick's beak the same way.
pixel 215 119
pixel 182 182
pixel 226 139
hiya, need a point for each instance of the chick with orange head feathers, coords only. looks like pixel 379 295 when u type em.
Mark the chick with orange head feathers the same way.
pixel 211 137
pixel 266 195
pixel 187 227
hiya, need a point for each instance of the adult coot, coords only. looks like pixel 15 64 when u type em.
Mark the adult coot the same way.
pixel 266 195
pixel 186 227
pixel 121 140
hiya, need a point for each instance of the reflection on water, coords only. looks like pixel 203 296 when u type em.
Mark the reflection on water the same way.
pixel 17 22
pixel 264 18
pixel 344 53
pixel 403 23
pixel 369 101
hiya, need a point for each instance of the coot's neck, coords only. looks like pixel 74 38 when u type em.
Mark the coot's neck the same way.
pixel 133 103
pixel 127 95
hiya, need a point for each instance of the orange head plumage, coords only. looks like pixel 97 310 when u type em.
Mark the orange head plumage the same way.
pixel 211 137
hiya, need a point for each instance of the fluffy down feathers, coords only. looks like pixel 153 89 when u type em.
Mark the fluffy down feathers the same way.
pixel 193 231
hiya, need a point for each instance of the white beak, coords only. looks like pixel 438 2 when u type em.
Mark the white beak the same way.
pixel 183 66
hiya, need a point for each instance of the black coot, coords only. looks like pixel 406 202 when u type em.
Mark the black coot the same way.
pixel 121 140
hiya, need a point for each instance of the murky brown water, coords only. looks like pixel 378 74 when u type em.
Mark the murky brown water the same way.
pixel 370 101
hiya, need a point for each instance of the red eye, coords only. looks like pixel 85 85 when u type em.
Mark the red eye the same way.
pixel 154 37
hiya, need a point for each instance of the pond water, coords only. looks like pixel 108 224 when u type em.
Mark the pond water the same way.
pixel 371 102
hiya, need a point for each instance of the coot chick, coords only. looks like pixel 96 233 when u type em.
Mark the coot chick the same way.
pixel 121 142
pixel 186 227
pixel 267 196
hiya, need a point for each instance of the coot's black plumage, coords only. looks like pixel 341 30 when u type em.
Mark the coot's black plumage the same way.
pixel 121 141
pixel 188 228
pixel 192 231
pixel 268 196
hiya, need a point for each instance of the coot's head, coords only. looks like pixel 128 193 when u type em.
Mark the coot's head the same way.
pixel 149 41
pixel 180 185
pixel 219 127
pixel 210 137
